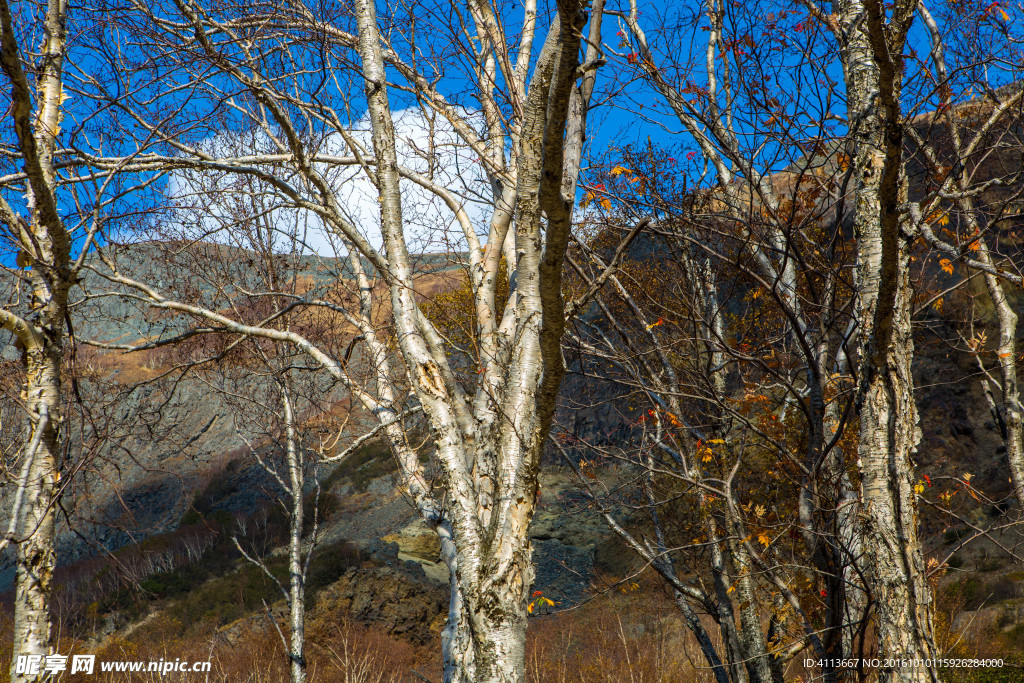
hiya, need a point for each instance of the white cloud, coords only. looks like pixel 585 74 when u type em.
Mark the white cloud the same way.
pixel 210 203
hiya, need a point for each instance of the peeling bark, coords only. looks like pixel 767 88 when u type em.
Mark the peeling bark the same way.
pixel 45 242
pixel 889 431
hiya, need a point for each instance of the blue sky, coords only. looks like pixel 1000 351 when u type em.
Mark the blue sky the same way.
pixel 628 110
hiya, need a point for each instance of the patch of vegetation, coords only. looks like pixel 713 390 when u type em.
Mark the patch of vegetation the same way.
pixel 227 598
pixel 370 461
pixel 1005 674
pixel 951 536
pixel 219 592
pixel 991 564
pixel 969 592
pixel 329 563
pixel 1016 637
pixel 218 488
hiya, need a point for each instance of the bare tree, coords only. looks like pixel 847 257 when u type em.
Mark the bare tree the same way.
pixel 963 147
pixel 292 482
pixel 854 179
pixel 36 305
pixel 738 447
pixel 527 135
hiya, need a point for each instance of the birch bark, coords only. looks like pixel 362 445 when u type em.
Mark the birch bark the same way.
pixel 889 432
pixel 45 247
pixel 490 470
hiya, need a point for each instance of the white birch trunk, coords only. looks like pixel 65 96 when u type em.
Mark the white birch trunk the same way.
pixel 46 245
pixel 889 431
pixel 490 462
pixel 296 566
pixel 35 533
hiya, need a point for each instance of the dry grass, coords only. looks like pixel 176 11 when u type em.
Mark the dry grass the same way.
pixel 251 652
pixel 634 637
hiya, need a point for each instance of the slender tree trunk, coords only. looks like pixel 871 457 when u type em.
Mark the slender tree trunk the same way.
pixel 889 430
pixel 296 567
pixel 892 550
pixel 36 558
pixel 1007 355
pixel 490 458
pixel 45 242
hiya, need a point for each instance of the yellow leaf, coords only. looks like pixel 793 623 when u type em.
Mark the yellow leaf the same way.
pixel 919 489
pixel 605 204
pixel 759 510
pixel 619 170
pixel 764 540
pixel 944 219
pixel 1006 17
pixel 946 265
pixel 529 608
pixel 716 440
pixel 967 477
pixel 731 589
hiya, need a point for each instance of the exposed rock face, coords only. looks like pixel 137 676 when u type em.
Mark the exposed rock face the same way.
pixel 388 598
pixel 420 544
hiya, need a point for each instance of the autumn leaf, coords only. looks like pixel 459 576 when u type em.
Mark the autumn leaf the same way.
pixel 764 540
pixel 938 217
pixel 946 265
pixel 619 170
pixel 653 325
